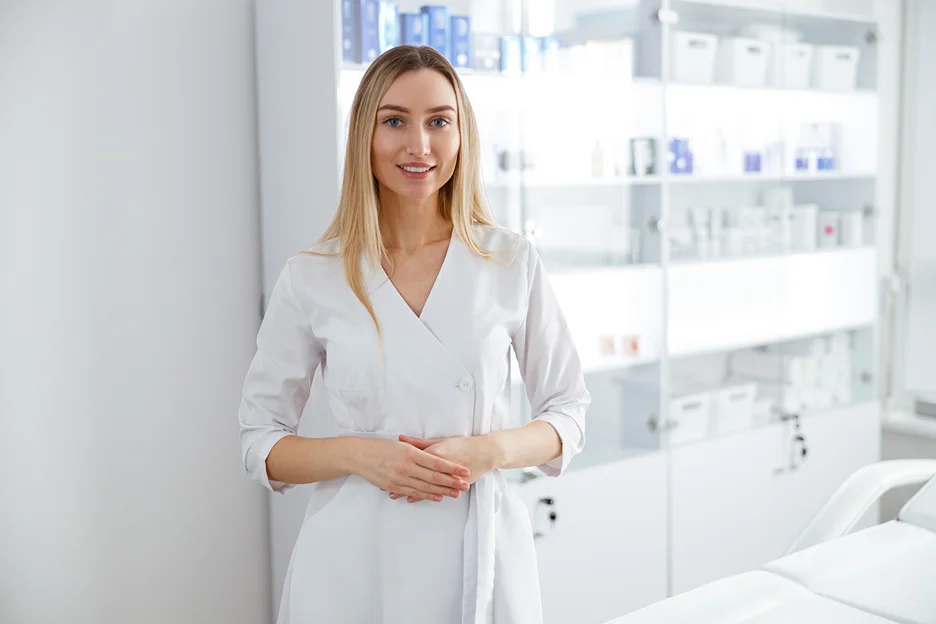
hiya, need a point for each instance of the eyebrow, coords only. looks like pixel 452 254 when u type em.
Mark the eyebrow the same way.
pixel 403 109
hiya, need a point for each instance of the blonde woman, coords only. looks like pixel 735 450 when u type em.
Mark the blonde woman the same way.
pixel 410 305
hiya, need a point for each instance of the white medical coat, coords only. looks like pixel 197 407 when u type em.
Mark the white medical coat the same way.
pixel 360 557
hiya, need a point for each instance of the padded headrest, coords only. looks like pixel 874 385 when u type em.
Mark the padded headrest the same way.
pixel 921 509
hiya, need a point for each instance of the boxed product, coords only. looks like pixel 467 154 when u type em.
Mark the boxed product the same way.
pixel 487 52
pixel 803 227
pixel 679 156
pixel 532 61
pixel 549 48
pixel 460 41
pixel 511 55
pixel 350 41
pixel 851 228
pixel 438 34
pixel 369 30
pixel 389 31
pixel 413 29
pixel 828 228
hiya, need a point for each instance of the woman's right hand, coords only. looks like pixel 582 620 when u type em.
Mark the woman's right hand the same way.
pixel 403 469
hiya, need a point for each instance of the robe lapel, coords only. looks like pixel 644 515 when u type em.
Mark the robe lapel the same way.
pixel 418 332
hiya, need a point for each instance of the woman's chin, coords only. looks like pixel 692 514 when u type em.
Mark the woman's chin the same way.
pixel 416 192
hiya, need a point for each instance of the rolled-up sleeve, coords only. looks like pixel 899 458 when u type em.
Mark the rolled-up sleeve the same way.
pixel 550 367
pixel 278 381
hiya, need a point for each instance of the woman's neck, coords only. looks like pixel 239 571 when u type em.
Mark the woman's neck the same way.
pixel 408 225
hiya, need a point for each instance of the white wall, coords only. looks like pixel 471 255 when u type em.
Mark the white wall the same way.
pixel 130 293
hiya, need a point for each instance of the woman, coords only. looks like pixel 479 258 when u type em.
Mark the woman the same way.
pixel 410 305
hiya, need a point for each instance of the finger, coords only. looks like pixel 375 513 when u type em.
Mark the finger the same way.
pixel 412 492
pixel 420 443
pixel 430 489
pixel 439 478
pixel 430 461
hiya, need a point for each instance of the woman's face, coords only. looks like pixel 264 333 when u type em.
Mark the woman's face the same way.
pixel 416 138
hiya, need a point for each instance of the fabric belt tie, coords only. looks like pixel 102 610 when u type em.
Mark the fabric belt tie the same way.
pixel 479 543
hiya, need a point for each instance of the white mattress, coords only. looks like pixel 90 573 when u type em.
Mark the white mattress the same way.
pixel 888 570
pixel 751 598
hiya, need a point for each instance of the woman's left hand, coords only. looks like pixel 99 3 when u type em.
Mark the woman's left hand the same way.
pixel 475 453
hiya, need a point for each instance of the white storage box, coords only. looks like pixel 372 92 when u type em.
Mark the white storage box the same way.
pixel 851 229
pixel 804 227
pixel 734 408
pixel 743 62
pixel 693 57
pixel 836 68
pixel 828 229
pixel 791 65
pixel 690 417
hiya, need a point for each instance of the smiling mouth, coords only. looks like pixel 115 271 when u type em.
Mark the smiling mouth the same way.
pixel 416 169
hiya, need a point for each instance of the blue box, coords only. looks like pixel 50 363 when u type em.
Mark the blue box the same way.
pixel 413 29
pixel 511 55
pixel 752 162
pixel 370 30
pixel 460 41
pixel 437 34
pixel 389 25
pixel 350 31
pixel 825 161
pixel 679 156
pixel 549 49
pixel 532 55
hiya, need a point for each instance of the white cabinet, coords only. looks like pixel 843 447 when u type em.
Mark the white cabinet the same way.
pixel 605 553
pixel 737 504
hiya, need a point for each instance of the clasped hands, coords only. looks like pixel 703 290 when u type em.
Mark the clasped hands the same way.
pixel 429 469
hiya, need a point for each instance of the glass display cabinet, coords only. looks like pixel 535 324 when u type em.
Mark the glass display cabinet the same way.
pixel 702 181
pixel 699 177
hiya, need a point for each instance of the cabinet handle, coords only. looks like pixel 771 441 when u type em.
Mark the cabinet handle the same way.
pixel 654 424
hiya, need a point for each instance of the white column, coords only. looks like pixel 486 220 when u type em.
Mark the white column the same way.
pixel 130 281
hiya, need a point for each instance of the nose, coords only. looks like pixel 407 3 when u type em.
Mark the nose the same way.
pixel 417 142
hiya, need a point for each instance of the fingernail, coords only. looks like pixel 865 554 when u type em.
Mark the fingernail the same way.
pixel 465 473
pixel 437 499
pixel 455 493
pixel 464 487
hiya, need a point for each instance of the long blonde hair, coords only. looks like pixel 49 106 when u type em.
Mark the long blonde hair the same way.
pixel 461 200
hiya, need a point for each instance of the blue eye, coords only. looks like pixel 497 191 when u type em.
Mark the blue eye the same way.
pixel 444 123
pixel 394 122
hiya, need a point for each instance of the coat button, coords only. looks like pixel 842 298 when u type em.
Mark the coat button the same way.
pixel 465 384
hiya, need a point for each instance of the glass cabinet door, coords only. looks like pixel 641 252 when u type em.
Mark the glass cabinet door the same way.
pixel 590 199
pixel 770 260
pixel 699 179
